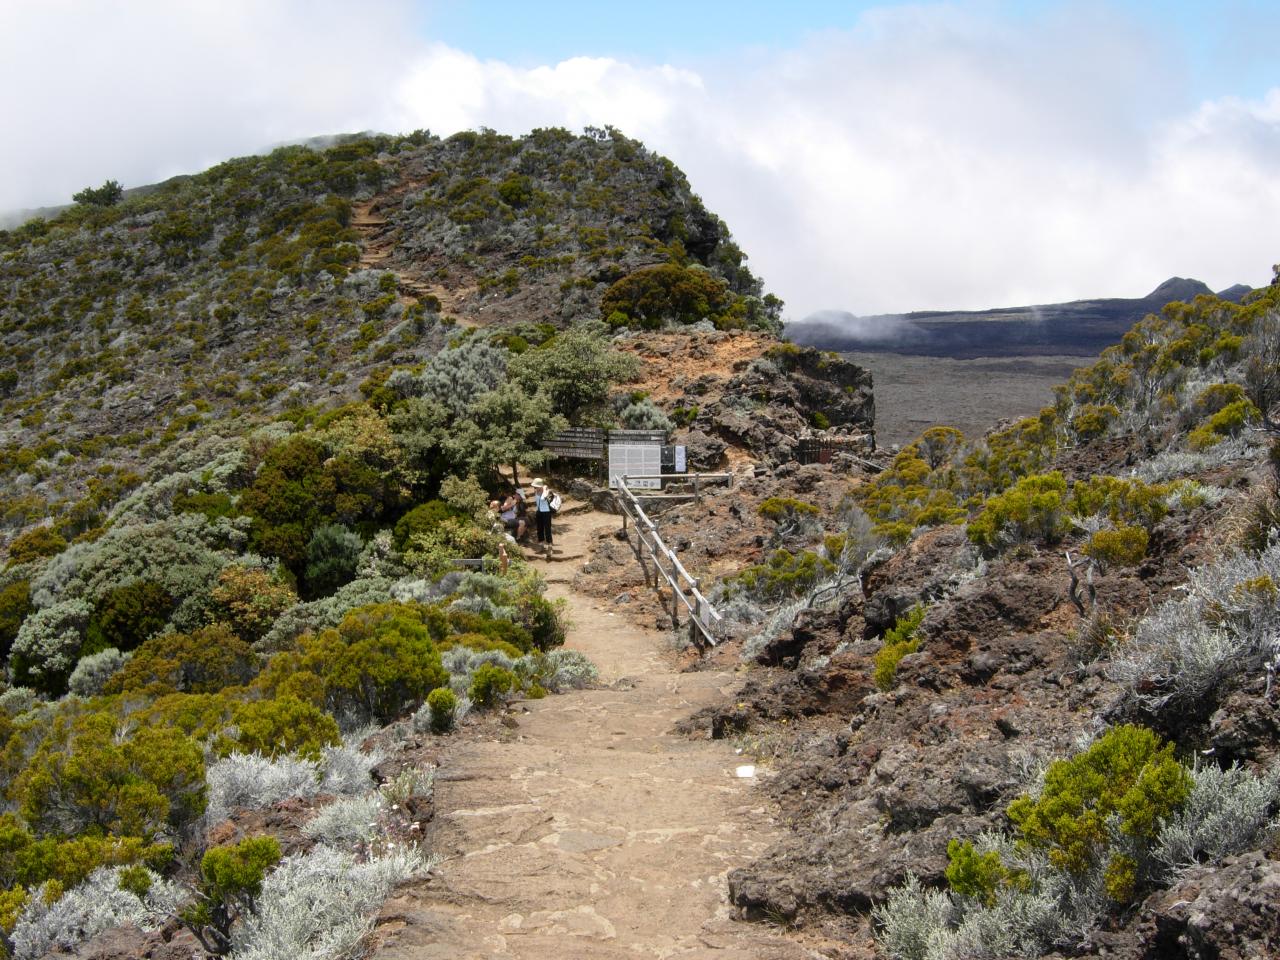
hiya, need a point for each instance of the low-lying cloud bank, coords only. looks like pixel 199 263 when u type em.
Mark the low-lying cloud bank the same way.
pixel 932 157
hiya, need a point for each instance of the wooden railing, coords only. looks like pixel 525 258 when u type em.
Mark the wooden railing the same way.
pixel 650 550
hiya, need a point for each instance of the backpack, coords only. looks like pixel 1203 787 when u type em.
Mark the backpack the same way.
pixel 554 503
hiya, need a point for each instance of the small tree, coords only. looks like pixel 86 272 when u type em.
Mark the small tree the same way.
pixel 505 426
pixel 574 370
pixel 230 881
pixel 107 195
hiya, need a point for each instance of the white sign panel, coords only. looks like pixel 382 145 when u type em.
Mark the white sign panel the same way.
pixel 635 459
pixel 680 459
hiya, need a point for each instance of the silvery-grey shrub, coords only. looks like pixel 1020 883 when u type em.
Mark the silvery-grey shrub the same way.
pixel 1225 625
pixel 347 821
pixel 92 672
pixel 1227 812
pixel 83 912
pixel 254 781
pixel 318 905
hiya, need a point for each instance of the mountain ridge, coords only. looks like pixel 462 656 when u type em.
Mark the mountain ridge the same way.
pixel 1075 328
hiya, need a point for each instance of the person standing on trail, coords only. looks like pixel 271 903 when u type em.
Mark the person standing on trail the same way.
pixel 547 504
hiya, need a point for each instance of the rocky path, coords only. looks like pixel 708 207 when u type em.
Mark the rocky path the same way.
pixel 376 247
pixel 590 830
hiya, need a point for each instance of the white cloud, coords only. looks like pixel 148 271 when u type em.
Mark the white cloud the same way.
pixel 932 157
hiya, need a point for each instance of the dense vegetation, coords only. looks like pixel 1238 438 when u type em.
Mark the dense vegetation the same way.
pixel 251 290
pixel 240 469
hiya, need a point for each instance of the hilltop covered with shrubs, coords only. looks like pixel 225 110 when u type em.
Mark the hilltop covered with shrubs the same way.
pixel 274 284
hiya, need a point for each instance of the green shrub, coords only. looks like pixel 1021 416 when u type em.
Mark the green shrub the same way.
pixel 899 641
pixel 249 600
pixel 89 774
pixel 424 518
pixel 379 663
pixel 1032 509
pixel 977 875
pixel 36 544
pixel 652 296
pixel 1229 421
pixel 30 861
pixel 1120 500
pixel 783 575
pixel 1126 775
pixel 1121 547
pixel 126 616
pixel 1093 420
pixel 15 604
pixel 230 881
pixel 205 661
pixel 443 704
pixel 280 726
pixel 785 509
pixel 489 683
pixel 332 554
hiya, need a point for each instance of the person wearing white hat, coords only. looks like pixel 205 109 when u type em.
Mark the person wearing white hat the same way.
pixel 546 505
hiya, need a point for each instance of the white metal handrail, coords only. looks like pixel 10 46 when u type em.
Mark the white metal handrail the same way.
pixel 685 589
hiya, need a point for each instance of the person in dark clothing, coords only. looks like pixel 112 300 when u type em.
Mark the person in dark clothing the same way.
pixel 545 510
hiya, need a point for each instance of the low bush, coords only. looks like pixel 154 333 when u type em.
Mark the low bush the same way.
pixel 443 704
pixel 1128 775
pixel 36 544
pixel 783 576
pixel 284 725
pixel 1227 812
pixel 1181 654
pixel 899 641
pixel 1121 547
pixel 230 880
pixel 490 684
pixel 204 661
pixel 1034 508
pixel 88 774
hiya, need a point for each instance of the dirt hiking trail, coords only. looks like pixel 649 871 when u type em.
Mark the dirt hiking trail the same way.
pixel 590 830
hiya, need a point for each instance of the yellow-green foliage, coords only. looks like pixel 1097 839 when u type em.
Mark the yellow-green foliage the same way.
pixel 443 703
pixel 1032 509
pixel 28 861
pixel 380 662
pixel 1229 421
pixel 1126 774
pixel 785 509
pixel 1093 419
pixel 784 574
pixel 249 600
pixel 93 773
pixel 36 544
pixel 489 683
pixel 1121 547
pixel 280 726
pixel 899 641
pixel 977 875
pixel 912 493
pixel 230 881
pixel 1121 500
pixel 204 661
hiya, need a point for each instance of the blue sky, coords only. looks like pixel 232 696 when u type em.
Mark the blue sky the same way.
pixel 871 157
pixel 1229 46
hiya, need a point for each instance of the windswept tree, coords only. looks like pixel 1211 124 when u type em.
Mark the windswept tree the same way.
pixel 107 195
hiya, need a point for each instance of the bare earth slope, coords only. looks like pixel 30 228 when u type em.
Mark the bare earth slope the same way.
pixel 592 830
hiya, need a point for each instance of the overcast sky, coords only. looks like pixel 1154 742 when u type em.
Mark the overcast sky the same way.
pixel 868 157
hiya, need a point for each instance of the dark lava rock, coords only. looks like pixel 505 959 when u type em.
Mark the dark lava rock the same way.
pixel 919 573
pixel 1228 912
